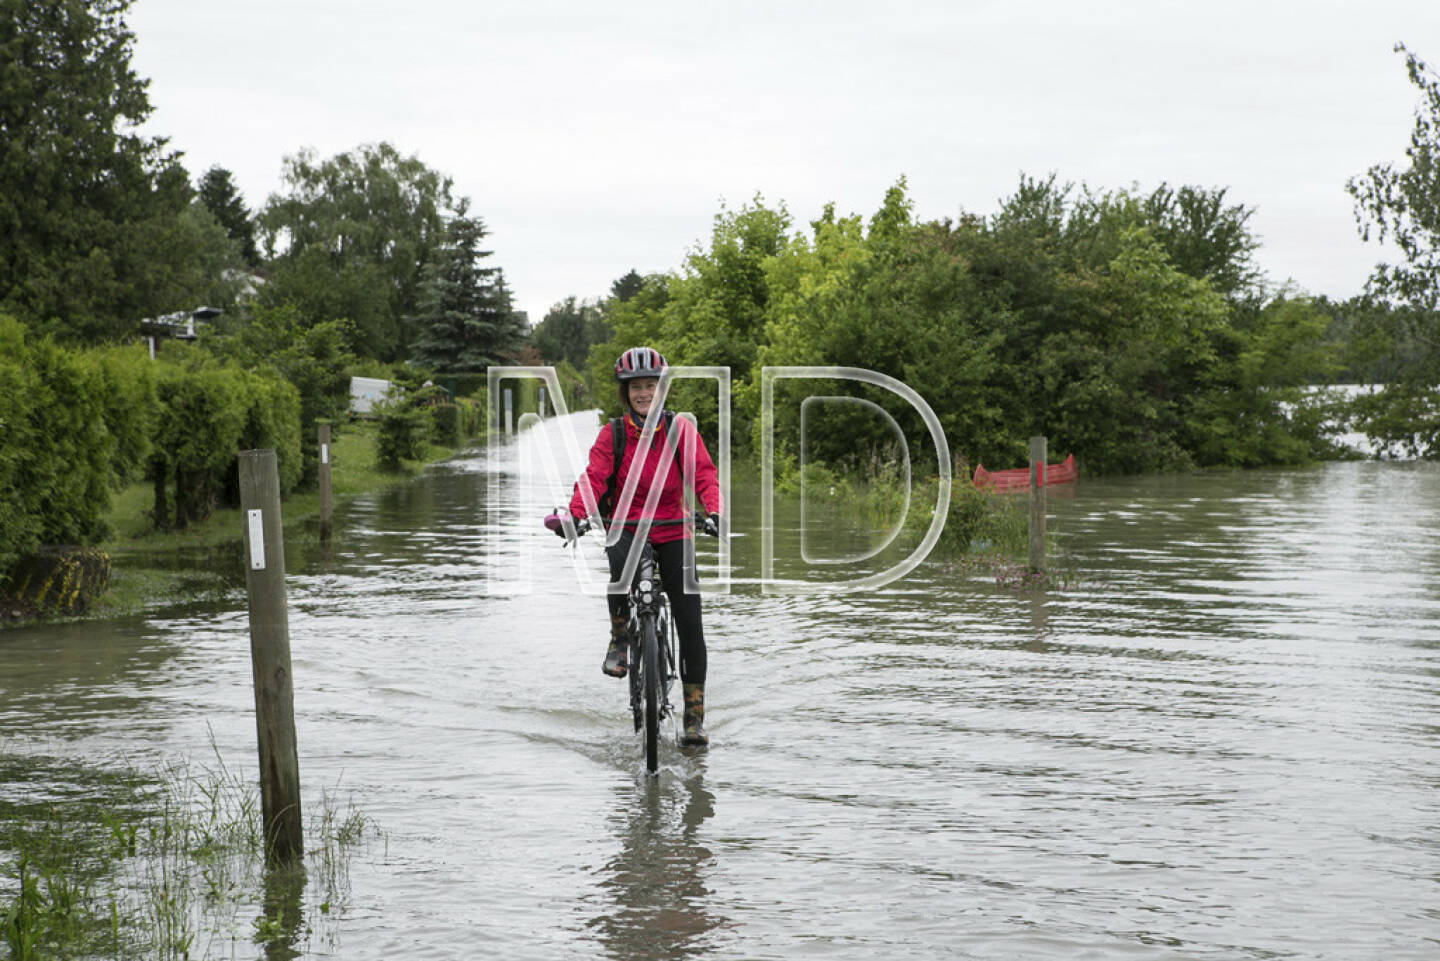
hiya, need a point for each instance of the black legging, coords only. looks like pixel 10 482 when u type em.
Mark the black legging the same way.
pixel 684 608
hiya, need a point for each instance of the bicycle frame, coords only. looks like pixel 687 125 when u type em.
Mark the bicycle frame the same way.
pixel 653 665
pixel 648 602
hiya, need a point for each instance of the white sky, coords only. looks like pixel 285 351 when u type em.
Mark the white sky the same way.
pixel 593 138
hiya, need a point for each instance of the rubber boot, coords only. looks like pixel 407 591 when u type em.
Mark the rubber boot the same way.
pixel 694 735
pixel 617 655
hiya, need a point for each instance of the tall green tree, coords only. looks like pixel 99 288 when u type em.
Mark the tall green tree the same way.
pixel 1402 206
pixel 1202 235
pixel 627 286
pixel 568 331
pixel 350 237
pixel 94 233
pixel 465 321
pixel 217 191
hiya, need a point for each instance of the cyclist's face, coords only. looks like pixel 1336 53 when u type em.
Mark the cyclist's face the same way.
pixel 642 393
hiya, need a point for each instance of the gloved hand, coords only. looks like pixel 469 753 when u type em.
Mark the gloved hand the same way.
pixel 559 527
pixel 712 524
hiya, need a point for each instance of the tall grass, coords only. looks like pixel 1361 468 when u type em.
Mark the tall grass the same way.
pixel 167 864
pixel 977 521
pixel 985 533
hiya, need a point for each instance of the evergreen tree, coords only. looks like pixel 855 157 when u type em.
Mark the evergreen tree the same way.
pixel 96 229
pixel 218 193
pixel 568 330
pixel 465 322
pixel 627 286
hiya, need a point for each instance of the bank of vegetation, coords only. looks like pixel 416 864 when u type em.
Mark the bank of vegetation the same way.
pixel 165 863
pixel 365 264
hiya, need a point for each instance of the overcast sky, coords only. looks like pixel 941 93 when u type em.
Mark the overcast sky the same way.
pixel 593 138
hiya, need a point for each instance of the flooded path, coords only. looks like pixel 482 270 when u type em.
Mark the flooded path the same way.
pixel 1224 743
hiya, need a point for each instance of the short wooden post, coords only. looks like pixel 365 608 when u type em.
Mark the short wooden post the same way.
pixel 509 413
pixel 270 656
pixel 1037 503
pixel 540 403
pixel 324 438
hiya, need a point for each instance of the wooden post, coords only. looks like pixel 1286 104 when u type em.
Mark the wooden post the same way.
pixel 270 656
pixel 324 437
pixel 540 403
pixel 509 414
pixel 1037 503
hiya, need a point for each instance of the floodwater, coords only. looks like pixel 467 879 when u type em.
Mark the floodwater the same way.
pixel 1223 742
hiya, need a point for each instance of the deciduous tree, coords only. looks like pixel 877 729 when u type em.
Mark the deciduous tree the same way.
pixel 350 236
pixel 1402 206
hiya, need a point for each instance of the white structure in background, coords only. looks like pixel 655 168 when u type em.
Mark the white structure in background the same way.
pixel 366 392
pixel 180 325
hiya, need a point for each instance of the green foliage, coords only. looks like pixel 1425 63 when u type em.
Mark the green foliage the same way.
pixel 46 910
pixel 127 379
pixel 569 330
pixel 984 522
pixel 1126 327
pixel 1404 423
pixel 315 358
pixel 218 193
pixel 209 412
pixel 96 226
pixel 445 425
pixel 404 430
pixel 1403 208
pixel 464 322
pixel 350 238
pixel 56 461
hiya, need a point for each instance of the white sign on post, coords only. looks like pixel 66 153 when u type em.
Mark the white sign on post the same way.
pixel 257 540
pixel 324 453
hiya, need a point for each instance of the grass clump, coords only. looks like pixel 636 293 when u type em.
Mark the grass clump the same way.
pixel 168 864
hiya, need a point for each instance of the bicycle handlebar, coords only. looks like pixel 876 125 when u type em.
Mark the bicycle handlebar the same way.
pixel 556 522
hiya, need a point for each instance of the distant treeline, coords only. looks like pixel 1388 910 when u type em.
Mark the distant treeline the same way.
pixel 1134 329
pixel 1131 329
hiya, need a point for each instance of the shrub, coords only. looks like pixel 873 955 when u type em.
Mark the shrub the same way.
pixel 445 424
pixel 402 433
pixel 209 412
pixel 57 457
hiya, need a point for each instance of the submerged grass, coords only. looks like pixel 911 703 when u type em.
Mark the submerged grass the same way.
pixel 985 532
pixel 166 864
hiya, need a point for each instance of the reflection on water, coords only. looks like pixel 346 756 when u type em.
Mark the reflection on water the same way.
pixel 658 903
pixel 1222 744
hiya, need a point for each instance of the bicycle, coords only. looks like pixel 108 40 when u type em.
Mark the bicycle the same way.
pixel 653 667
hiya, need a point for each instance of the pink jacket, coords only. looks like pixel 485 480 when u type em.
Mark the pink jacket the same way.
pixel 671 505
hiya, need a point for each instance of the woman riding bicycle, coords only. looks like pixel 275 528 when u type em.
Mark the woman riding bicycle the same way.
pixel 637 372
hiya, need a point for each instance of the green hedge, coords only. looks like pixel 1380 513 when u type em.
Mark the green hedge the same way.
pixel 208 413
pixel 57 455
pixel 76 424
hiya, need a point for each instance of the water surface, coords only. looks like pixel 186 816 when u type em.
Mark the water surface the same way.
pixel 1221 744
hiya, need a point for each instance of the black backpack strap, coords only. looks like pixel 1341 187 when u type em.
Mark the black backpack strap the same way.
pixel 672 438
pixel 617 453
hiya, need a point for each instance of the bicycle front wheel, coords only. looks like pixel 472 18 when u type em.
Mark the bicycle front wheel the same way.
pixel 653 681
